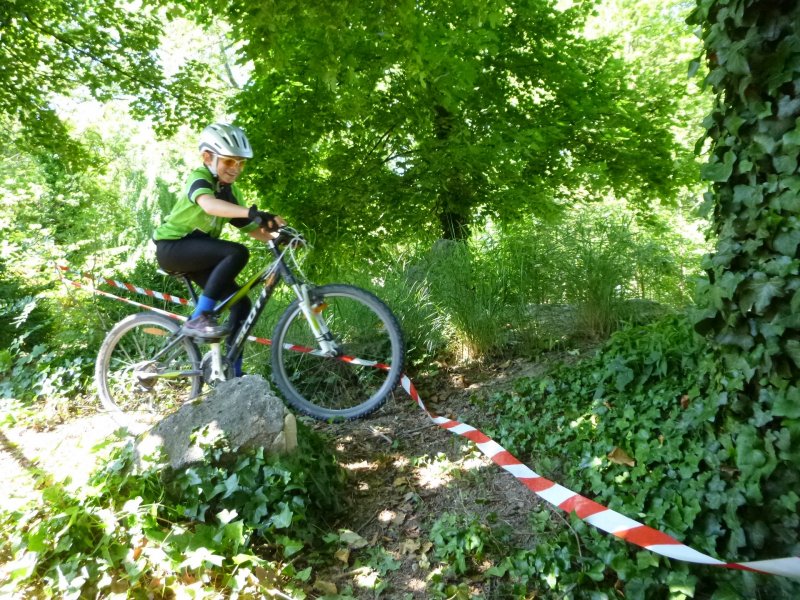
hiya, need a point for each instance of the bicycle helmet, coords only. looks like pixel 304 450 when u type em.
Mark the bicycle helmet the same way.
pixel 226 140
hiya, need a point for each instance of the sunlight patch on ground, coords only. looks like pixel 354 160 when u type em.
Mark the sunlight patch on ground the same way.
pixel 416 585
pixel 363 465
pixel 437 471
pixel 401 462
pixel 387 516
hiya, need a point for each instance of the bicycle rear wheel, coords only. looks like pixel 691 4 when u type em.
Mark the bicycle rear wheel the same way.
pixel 353 384
pixel 136 388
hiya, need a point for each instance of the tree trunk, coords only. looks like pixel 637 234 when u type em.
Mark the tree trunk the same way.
pixel 752 298
pixel 454 198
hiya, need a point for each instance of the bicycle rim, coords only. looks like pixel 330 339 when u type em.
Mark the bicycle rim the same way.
pixel 137 389
pixel 352 385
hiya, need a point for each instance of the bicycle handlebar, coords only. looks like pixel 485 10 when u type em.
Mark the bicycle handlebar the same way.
pixel 289 236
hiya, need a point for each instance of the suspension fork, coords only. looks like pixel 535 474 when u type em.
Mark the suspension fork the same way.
pixel 312 311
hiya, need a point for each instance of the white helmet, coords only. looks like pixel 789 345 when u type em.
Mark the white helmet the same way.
pixel 227 140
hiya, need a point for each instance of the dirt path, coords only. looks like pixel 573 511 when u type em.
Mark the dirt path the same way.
pixel 406 473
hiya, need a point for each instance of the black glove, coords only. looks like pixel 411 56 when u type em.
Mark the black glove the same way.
pixel 263 218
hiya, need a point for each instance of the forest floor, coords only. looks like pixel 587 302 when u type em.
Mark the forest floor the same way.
pixel 405 473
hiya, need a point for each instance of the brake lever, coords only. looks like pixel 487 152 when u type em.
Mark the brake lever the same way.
pixel 288 236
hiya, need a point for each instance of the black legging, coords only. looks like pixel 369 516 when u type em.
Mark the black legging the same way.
pixel 211 263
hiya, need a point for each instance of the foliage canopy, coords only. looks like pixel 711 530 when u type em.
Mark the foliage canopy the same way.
pixel 376 119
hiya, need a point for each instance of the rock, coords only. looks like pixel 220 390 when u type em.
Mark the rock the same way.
pixel 244 410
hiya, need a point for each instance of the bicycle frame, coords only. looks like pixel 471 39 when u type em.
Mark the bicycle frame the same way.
pixel 271 276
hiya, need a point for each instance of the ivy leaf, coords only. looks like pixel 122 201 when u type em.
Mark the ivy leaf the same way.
pixel 283 519
pixel 791 139
pixel 231 485
pixel 226 516
pixel 759 292
pixel 786 242
pixel 748 195
pixel 197 558
pixel 785 165
pixel 719 171
pixel 737 63
pixel 788 404
pixel 735 338
pixel 793 350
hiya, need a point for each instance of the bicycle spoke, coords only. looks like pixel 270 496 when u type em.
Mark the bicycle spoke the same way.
pixel 131 383
pixel 369 359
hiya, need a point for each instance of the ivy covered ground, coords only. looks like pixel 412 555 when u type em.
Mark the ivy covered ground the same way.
pixel 406 510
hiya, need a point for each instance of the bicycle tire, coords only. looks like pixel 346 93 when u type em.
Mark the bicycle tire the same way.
pixel 126 352
pixel 337 389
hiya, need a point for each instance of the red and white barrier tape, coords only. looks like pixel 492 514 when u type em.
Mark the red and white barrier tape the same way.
pixel 593 513
pixel 94 290
pixel 128 286
pixel 588 510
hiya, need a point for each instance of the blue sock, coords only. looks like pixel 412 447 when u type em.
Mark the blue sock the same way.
pixel 237 366
pixel 204 304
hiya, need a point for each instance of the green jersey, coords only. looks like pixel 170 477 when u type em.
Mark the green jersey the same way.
pixel 187 216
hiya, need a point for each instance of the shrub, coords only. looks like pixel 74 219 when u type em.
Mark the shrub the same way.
pixel 217 525
pixel 722 484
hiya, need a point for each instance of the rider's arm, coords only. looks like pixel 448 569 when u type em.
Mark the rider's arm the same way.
pixel 221 208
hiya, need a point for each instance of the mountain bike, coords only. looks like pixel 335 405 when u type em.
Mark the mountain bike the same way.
pixel 336 352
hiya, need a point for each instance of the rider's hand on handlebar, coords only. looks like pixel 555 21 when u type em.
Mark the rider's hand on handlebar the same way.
pixel 265 220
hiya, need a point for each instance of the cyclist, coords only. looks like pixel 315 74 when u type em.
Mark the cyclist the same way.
pixel 188 239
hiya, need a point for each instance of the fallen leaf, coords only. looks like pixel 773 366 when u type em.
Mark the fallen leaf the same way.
pixel 620 457
pixel 409 546
pixel 343 555
pixel 137 551
pixel 326 587
pixel 352 539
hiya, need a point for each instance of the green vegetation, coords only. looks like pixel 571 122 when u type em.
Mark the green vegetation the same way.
pixel 219 526
pixel 512 177
pixel 647 428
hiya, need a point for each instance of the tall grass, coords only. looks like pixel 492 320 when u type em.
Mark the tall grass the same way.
pixel 516 290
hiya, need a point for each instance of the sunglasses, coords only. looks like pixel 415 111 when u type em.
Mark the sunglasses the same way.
pixel 229 162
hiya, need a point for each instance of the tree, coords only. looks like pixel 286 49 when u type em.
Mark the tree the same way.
pixel 377 118
pixel 751 300
pixel 752 297
pixel 100 47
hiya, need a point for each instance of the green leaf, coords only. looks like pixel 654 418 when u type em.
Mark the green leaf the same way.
pixel 201 557
pixel 788 403
pixel 719 171
pixel 226 516
pixel 283 519
pixel 740 339
pixel 759 292
pixel 793 350
pixel 231 485
pixel 791 139
pixel 784 164
pixel 736 63
pixel 786 242
pixel 748 195
pixel 243 559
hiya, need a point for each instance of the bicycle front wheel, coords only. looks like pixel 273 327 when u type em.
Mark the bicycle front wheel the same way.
pixel 143 373
pixel 357 381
